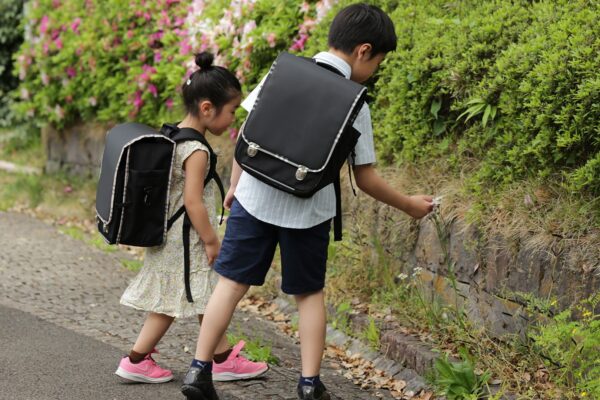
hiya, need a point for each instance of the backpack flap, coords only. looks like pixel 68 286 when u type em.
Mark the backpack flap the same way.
pixel 133 186
pixel 300 119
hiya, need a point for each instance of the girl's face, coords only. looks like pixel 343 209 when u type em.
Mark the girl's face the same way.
pixel 219 122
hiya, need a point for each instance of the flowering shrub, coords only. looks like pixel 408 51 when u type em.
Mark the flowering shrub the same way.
pixel 114 60
pixel 10 40
pixel 469 81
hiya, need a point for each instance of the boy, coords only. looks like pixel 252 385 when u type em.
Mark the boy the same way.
pixel 261 217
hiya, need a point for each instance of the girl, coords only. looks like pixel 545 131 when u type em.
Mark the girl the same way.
pixel 211 96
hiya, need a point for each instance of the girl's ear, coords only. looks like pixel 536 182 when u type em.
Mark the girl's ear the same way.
pixel 206 108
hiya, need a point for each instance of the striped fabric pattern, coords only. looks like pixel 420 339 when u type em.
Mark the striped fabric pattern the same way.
pixel 283 209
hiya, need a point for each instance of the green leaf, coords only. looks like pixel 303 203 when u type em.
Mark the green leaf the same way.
pixel 436 105
pixel 439 127
pixel 486 115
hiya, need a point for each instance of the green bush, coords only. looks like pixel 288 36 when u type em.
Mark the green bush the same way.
pixel 507 88
pixel 11 37
pixel 512 85
pixel 571 347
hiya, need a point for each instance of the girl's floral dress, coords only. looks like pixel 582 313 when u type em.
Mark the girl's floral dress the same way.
pixel 159 286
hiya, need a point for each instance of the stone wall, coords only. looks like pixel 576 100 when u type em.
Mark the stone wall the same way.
pixel 495 277
pixel 78 149
pixel 75 150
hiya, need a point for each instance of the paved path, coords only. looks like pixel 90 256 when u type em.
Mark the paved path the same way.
pixel 62 330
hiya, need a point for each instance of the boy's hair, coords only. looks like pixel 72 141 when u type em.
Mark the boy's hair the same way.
pixel 211 82
pixel 362 23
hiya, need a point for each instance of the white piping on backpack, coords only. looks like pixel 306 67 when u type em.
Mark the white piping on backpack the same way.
pixel 112 196
pixel 290 162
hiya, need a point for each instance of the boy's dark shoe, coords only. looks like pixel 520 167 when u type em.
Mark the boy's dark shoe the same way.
pixel 317 392
pixel 198 386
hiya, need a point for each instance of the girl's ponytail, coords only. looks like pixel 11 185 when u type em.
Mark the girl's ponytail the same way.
pixel 204 60
pixel 211 82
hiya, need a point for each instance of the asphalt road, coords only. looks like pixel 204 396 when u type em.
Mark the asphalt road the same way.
pixel 39 361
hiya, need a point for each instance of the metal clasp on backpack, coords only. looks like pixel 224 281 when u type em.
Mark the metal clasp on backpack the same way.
pixel 252 149
pixel 301 173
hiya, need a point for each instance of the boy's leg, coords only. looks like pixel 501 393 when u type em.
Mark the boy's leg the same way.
pixel 223 345
pixel 304 262
pixel 245 257
pixel 217 317
pixel 312 328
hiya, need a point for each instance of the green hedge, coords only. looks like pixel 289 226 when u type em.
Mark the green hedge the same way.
pixel 511 84
pixel 508 88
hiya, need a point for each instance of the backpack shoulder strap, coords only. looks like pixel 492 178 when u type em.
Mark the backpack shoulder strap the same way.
pixel 182 135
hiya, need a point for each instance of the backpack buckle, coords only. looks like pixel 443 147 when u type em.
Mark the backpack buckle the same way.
pixel 301 173
pixel 252 149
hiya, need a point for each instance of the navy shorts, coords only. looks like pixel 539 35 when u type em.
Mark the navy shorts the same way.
pixel 249 246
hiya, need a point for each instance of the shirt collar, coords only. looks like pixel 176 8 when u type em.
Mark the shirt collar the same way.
pixel 334 61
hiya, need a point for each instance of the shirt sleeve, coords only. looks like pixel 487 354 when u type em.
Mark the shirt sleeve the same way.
pixel 249 101
pixel 186 149
pixel 365 147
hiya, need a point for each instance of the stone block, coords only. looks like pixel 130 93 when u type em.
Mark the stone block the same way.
pixel 408 351
pixel 428 250
pixel 463 247
pixel 76 150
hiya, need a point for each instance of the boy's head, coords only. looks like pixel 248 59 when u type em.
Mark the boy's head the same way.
pixel 365 34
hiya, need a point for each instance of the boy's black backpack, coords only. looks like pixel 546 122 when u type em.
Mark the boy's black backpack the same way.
pixel 132 197
pixel 299 132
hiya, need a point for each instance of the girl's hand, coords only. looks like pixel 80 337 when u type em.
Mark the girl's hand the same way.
pixel 420 206
pixel 212 249
pixel 229 198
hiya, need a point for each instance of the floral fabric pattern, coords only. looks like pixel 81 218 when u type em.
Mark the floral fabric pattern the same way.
pixel 159 286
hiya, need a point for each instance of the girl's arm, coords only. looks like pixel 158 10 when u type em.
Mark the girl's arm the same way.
pixel 193 192
pixel 372 184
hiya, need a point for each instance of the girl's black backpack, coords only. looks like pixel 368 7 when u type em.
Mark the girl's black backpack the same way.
pixel 299 132
pixel 132 197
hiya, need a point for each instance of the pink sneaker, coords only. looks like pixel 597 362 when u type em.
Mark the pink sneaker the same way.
pixel 238 367
pixel 146 371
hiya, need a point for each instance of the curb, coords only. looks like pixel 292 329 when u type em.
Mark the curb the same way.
pixel 354 347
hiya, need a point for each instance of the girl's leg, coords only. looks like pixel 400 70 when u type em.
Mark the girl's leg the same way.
pixel 312 328
pixel 154 329
pixel 217 317
pixel 138 367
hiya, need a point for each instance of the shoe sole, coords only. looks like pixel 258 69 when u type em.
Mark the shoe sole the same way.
pixel 141 378
pixel 193 393
pixel 230 376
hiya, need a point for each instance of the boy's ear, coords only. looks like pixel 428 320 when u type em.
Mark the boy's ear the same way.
pixel 364 51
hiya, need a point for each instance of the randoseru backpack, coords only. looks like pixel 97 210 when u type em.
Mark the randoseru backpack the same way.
pixel 132 197
pixel 299 132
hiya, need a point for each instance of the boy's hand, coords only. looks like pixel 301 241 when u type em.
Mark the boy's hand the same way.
pixel 212 249
pixel 419 206
pixel 229 198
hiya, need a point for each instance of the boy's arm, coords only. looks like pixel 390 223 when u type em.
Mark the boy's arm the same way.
pixel 236 172
pixel 372 184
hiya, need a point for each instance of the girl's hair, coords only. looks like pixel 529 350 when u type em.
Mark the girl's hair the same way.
pixel 211 82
